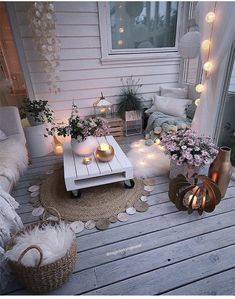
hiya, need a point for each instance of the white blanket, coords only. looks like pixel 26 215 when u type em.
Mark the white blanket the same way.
pixel 13 158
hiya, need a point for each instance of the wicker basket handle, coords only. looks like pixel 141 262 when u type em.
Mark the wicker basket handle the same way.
pixel 29 248
pixel 48 209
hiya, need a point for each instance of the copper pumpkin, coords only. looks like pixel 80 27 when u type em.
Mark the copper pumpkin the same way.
pixel 206 191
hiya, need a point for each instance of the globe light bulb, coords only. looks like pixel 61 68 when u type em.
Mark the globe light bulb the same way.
pixel 197 101
pixel 120 42
pixel 200 88
pixel 208 66
pixel 210 17
pixel 121 29
pixel 206 44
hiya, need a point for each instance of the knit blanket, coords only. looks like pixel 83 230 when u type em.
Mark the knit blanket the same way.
pixel 164 121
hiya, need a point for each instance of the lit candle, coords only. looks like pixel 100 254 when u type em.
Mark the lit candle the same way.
pixel 104 147
pixel 194 201
pixel 87 160
pixel 58 149
pixel 214 176
pixel 102 109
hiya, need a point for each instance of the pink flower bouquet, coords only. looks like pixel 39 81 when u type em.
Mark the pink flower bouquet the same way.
pixel 186 146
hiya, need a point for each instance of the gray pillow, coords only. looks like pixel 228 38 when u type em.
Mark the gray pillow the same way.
pixel 190 110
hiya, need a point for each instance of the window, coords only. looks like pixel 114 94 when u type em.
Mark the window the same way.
pixel 144 24
pixel 147 29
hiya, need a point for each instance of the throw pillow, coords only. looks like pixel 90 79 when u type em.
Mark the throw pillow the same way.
pixel 174 92
pixel 190 110
pixel 170 106
pixel 3 136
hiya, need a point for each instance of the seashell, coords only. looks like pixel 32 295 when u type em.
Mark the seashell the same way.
pixel 38 211
pixel 34 194
pixel 77 226
pixel 90 224
pixel 148 188
pixel 33 188
pixel 131 211
pixel 123 217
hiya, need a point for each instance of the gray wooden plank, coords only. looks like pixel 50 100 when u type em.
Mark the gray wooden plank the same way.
pixel 152 240
pixel 163 279
pixel 218 284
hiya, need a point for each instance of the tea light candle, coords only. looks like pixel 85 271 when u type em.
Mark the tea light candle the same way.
pixel 87 160
pixel 104 147
pixel 58 149
pixel 194 202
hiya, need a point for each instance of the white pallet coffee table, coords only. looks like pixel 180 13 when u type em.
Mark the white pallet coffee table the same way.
pixel 78 176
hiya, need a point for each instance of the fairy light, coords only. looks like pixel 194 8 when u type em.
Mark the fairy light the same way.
pixel 210 17
pixel 157 141
pixel 206 44
pixel 208 66
pixel 197 101
pixel 141 149
pixel 120 42
pixel 142 162
pixel 150 156
pixel 200 88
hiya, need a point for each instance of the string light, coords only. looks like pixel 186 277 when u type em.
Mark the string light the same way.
pixel 157 141
pixel 197 101
pixel 208 66
pixel 206 44
pixel 121 29
pixel 200 88
pixel 120 42
pixel 150 156
pixel 210 17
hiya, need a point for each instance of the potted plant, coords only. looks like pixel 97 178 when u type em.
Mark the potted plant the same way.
pixel 82 132
pixel 188 151
pixel 36 111
pixel 129 98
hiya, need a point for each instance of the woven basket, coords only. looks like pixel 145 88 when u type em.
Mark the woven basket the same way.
pixel 42 279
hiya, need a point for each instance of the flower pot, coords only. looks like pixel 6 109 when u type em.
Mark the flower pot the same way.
pixel 185 169
pixel 220 170
pixel 84 148
pixel 32 121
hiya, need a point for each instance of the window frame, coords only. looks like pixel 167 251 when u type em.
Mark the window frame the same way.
pixel 109 55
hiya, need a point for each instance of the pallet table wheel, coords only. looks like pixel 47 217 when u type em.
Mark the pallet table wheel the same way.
pixel 76 193
pixel 129 184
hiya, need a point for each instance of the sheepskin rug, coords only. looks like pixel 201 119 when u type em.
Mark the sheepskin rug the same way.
pixel 13 158
pixel 148 161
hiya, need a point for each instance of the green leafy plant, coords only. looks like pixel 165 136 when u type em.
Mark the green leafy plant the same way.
pixel 79 128
pixel 38 109
pixel 129 98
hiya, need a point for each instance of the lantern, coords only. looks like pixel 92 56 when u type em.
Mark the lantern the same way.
pixel 103 107
pixel 201 197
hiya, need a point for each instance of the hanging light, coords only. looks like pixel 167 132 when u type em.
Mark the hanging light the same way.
pixel 197 101
pixel 210 17
pixel 200 88
pixel 208 66
pixel 189 44
pixel 206 44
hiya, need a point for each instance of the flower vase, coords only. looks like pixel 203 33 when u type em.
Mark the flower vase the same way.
pixel 32 121
pixel 185 169
pixel 84 148
pixel 220 170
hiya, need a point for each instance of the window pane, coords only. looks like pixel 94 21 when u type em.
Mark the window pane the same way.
pixel 143 24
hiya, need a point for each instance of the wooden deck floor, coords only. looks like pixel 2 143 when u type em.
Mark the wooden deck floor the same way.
pixel 161 251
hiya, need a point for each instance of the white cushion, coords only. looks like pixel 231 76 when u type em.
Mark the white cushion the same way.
pixel 170 106
pixel 174 92
pixel 3 136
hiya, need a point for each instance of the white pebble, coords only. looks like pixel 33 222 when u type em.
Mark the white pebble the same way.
pixel 90 224
pixel 34 194
pixel 123 217
pixel 148 188
pixel 131 211
pixel 144 198
pixel 33 188
pixel 77 226
pixel 38 211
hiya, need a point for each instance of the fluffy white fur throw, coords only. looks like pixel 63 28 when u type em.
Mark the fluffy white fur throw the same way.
pixel 148 161
pixel 13 158
pixel 54 241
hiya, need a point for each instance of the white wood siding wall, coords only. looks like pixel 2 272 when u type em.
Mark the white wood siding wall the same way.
pixel 82 76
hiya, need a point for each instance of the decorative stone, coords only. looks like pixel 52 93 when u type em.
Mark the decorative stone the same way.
pixel 148 188
pixel 102 224
pixel 90 224
pixel 34 194
pixel 143 198
pixel 33 188
pixel 123 217
pixel 150 181
pixel 38 211
pixel 77 226
pixel 141 206
pixel 131 211
pixel 113 219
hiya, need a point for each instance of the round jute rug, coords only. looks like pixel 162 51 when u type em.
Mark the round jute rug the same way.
pixel 95 203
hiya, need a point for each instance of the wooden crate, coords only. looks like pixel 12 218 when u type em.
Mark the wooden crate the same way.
pixel 116 126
